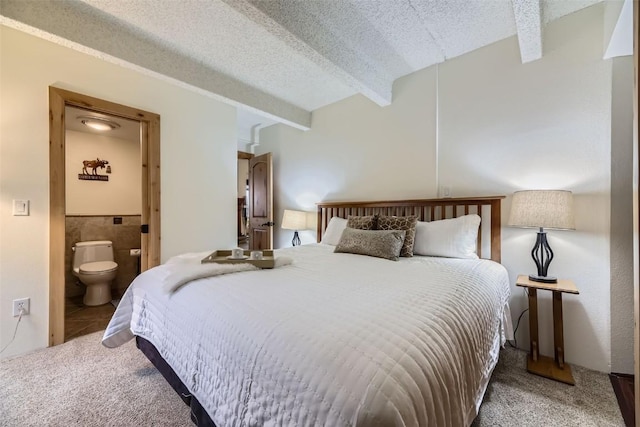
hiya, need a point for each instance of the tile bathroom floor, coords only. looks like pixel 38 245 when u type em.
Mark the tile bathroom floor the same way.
pixel 80 319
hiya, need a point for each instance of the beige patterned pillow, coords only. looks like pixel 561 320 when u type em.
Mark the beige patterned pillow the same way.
pixel 362 222
pixel 378 243
pixel 406 223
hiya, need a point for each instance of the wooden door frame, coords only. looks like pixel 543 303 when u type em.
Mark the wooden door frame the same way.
pixel 636 208
pixel 244 155
pixel 150 163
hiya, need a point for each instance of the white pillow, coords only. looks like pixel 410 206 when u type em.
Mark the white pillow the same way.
pixel 334 231
pixel 452 238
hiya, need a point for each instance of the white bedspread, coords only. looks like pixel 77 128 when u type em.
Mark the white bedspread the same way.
pixel 183 270
pixel 331 340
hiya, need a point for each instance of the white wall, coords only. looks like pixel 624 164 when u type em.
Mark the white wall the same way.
pixel 356 151
pixel 502 126
pixel 122 194
pixel 198 166
pixel 544 125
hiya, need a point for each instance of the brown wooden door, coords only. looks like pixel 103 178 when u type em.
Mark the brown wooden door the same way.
pixel 261 202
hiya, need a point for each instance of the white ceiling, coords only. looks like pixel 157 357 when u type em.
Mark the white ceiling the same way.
pixel 281 59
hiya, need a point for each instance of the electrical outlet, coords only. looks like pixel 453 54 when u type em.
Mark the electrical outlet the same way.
pixel 22 303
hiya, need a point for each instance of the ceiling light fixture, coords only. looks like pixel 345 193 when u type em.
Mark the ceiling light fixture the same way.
pixel 99 123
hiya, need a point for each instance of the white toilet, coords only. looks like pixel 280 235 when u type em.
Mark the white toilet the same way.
pixel 93 264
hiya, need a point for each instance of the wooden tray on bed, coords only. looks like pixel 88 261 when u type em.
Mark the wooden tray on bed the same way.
pixel 221 257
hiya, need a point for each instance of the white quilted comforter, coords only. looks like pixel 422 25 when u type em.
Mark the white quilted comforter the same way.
pixel 331 340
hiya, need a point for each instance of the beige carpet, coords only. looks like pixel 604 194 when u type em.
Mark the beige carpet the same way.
pixel 81 383
pixel 516 398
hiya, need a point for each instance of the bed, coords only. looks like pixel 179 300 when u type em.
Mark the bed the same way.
pixel 333 338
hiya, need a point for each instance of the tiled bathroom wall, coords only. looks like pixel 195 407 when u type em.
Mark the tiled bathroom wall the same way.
pixel 124 236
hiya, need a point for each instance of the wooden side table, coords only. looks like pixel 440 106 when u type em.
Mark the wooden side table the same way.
pixel 554 368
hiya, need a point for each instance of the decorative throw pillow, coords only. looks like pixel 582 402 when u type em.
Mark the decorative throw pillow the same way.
pixel 378 243
pixel 452 238
pixel 362 222
pixel 331 235
pixel 406 223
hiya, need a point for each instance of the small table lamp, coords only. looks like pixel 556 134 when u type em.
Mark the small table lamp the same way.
pixel 294 220
pixel 542 209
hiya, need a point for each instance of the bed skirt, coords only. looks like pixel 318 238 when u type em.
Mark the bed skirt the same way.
pixel 198 415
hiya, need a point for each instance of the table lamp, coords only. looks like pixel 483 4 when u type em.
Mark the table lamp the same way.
pixel 542 209
pixel 294 220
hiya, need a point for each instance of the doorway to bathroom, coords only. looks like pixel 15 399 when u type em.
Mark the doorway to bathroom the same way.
pixel 104 189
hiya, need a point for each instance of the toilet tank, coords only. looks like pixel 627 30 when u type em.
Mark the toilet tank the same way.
pixel 98 250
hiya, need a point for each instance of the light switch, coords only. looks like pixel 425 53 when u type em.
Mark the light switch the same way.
pixel 20 208
pixel 445 191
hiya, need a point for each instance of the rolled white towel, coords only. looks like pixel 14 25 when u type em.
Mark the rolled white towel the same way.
pixel 181 273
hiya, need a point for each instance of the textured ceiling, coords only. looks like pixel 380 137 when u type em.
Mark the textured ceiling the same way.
pixel 282 59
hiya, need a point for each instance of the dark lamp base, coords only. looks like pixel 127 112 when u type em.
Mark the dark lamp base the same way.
pixel 543 279
pixel 296 239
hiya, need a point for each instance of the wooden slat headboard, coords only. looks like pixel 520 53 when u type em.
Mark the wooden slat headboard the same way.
pixel 426 210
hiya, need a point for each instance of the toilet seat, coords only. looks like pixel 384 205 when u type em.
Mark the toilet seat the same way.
pixel 98 267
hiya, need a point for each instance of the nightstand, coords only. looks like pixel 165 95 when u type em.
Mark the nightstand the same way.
pixel 549 367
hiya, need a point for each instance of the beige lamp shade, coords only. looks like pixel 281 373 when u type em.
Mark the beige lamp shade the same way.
pixel 542 209
pixel 294 220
